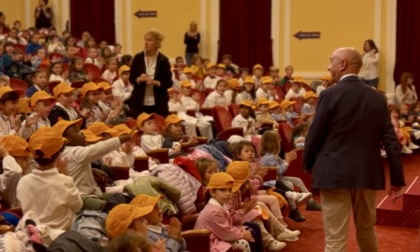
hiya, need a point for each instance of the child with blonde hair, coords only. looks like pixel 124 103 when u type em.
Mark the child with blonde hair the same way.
pixel 111 70
pixel 214 217
pixel 39 80
pixel 248 92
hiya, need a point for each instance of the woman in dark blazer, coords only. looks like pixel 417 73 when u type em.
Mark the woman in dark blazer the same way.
pixel 151 76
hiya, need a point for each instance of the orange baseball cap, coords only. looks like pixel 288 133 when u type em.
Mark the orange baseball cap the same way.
pixel 239 170
pixel 40 96
pixel 89 86
pixel 274 104
pixel 298 79
pixel 210 65
pixel 326 77
pixel 62 125
pixel 266 80
pixel 99 128
pixel 62 88
pixel 286 103
pixel 90 137
pixel 221 66
pixel 121 129
pixel 15 145
pixel 5 90
pixel 104 85
pixel 171 119
pixel 247 103
pixel 143 117
pixel 123 69
pixel 48 140
pixel 309 94
pixel 143 200
pixel 249 79
pixel 121 217
pixel 262 101
pixel 220 180
pixel 234 83
pixel 257 66
pixel 185 83
pixel 187 70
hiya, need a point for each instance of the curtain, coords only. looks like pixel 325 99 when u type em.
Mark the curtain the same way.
pixel 95 16
pixel 408 41
pixel 245 32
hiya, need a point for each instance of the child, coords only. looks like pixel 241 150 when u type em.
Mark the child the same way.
pixel 92 57
pixel 212 79
pixel 231 69
pixel 191 104
pixel 132 241
pixel 206 167
pixel 79 158
pixel 63 109
pixel 4 81
pixel 76 72
pixel 243 73
pixel 58 210
pixel 249 90
pixel 274 74
pixel 40 58
pixel 263 115
pixel 296 90
pixel 245 121
pixel 122 88
pixel 221 71
pixel 288 76
pixel 41 105
pixel 198 67
pixel 111 72
pixel 232 95
pixel 240 212
pixel 174 137
pixel 39 79
pixel 156 231
pixel 214 217
pixel 150 139
pixel 276 112
pixel 270 149
pixel 307 112
pixel 289 111
pixel 110 105
pixel 91 94
pixel 402 135
pixel 14 153
pixel 57 74
pixel 70 54
pixel 217 98
pixel 325 82
pixel 299 135
pixel 264 90
pixel 7 59
pixel 188 76
pixel 56 46
pixel 258 71
pixel 34 45
pixel 10 122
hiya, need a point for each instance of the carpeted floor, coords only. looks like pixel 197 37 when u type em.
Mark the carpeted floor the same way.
pixel 393 239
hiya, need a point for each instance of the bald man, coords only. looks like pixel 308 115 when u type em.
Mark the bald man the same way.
pixel 342 151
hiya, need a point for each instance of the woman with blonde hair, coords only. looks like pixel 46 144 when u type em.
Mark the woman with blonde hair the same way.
pixel 191 40
pixel 151 76
pixel 406 91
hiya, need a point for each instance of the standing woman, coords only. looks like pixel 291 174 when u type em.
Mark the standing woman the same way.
pixel 43 15
pixel 191 40
pixel 370 67
pixel 151 76
pixel 405 91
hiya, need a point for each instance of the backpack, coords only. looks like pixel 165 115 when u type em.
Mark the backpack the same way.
pixel 91 224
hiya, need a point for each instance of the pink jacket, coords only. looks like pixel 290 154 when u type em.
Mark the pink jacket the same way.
pixel 216 219
pixel 237 213
pixel 256 181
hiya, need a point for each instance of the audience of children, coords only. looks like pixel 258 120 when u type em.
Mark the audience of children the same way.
pixel 402 134
pixel 296 90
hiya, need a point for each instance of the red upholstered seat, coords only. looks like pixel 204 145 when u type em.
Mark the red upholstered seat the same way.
pixel 92 70
pixel 18 84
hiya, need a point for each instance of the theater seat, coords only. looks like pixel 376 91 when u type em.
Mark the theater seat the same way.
pixel 18 84
pixel 52 84
pixel 296 170
pixel 280 93
pixel 234 109
pixel 120 173
pixel 223 122
pixel 298 105
pixel 92 70
pixel 141 164
pixel 285 132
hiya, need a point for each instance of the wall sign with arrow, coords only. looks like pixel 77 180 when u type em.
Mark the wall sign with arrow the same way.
pixel 307 35
pixel 145 14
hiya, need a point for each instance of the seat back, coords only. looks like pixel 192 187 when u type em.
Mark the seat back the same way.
pixel 52 85
pixel 222 118
pixel 92 70
pixel 234 109
pixel 18 84
pixel 160 123
pixel 279 92
pixel 285 132
pixel 298 105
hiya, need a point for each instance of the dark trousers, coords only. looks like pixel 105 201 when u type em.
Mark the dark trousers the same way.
pixel 256 246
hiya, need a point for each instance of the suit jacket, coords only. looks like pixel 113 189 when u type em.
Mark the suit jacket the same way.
pixel 343 144
pixel 162 74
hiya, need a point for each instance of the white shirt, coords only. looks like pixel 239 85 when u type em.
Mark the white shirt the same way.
pixel 149 95
pixel 93 61
pixel 211 82
pixel 53 196
pixel 370 67
pixel 292 94
pixel 319 89
pixel 79 164
pixel 261 93
pixel 189 103
pixel 9 180
pixel 411 95
pixel 109 75
pixel 228 94
pixel 215 99
pixel 245 96
pixel 240 121
pixel 6 125
pixel 27 132
pixel 119 89
pixel 56 77
pixel 151 142
pixel 70 111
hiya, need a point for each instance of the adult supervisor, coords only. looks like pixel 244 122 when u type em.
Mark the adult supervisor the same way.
pixel 342 150
pixel 151 76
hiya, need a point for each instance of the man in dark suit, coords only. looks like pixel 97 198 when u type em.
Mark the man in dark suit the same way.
pixel 342 150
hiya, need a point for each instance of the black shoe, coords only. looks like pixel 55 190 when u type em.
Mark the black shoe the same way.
pixel 296 216
pixel 313 206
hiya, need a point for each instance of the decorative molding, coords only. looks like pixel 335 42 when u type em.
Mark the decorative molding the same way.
pixel 203 28
pixel 28 14
pixel 215 29
pixel 65 14
pixel 118 21
pixel 287 20
pixel 129 27
pixel 377 21
pixel 275 30
pixel 391 37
